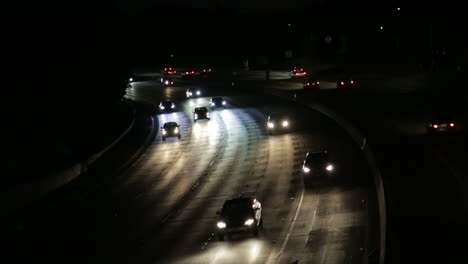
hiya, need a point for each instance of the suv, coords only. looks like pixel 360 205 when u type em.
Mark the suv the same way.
pixel 170 129
pixel 239 215
pixel 201 113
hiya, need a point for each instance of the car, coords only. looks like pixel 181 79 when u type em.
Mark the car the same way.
pixel 345 82
pixel 239 215
pixel 188 73
pixel 170 129
pixel 312 84
pixel 317 164
pixel 201 113
pixel 278 122
pixel 298 71
pixel 206 70
pixel 441 124
pixel 170 71
pixel 217 102
pixel 166 106
pixel 166 81
pixel 193 92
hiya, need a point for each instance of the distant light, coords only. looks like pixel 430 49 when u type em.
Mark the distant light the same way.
pixel 318 82
pixel 352 82
pixel 172 55
pixel 381 27
pixel 435 126
pixel 452 124
pixel 342 83
pixel 329 167
pixel 289 25
pixel 398 8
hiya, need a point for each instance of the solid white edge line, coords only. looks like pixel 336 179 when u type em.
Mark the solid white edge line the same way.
pixel 291 226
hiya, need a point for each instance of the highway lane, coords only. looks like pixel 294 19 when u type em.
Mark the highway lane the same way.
pixel 163 209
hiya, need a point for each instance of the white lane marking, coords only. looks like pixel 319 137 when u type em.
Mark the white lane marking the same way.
pixel 218 255
pixel 291 226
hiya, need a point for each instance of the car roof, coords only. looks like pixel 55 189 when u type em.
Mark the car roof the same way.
pixel 201 109
pixel 170 124
pixel 217 98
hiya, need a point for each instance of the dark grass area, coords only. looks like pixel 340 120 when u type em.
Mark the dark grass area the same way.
pixel 38 147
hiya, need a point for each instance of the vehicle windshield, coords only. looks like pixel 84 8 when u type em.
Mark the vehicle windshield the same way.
pixel 170 125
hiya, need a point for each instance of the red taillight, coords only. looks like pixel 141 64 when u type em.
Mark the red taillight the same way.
pixel 193 71
pixel 305 72
pixel 318 82
pixel 175 71
pixel 452 124
pixel 352 81
pixel 165 69
pixel 302 69
pixel 294 70
pixel 209 69
pixel 342 83
pixel 204 70
pixel 435 126
pixel 307 84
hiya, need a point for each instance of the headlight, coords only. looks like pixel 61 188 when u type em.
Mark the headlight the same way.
pixel 305 169
pixel 131 79
pixel 196 116
pixel 221 225
pixel 224 102
pixel 212 104
pixel 198 92
pixel 176 130
pixel 329 167
pixel 207 114
pixel 167 82
pixel 249 222
pixel 162 107
pixel 285 123
pixel 164 132
pixel 271 125
pixel 172 106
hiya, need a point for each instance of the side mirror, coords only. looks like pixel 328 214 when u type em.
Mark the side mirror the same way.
pixel 218 212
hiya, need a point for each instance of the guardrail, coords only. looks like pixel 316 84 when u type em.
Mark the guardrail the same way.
pixel 35 189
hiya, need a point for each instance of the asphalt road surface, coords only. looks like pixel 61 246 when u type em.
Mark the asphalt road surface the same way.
pixel 162 209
